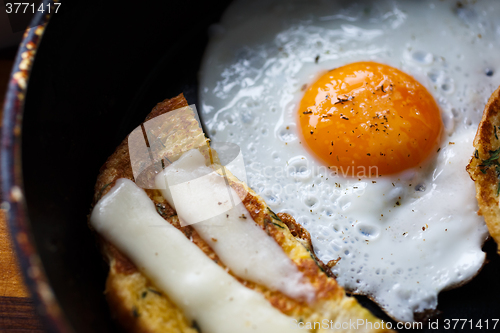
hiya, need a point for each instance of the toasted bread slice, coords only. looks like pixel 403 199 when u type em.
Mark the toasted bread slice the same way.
pixel 141 307
pixel 484 166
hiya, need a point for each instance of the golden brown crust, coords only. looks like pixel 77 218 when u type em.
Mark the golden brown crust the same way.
pixel 126 285
pixel 296 229
pixel 484 166
pixel 139 307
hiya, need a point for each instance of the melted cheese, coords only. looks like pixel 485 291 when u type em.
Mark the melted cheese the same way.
pixel 228 228
pixel 203 290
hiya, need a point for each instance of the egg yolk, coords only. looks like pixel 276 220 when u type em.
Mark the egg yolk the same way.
pixel 370 117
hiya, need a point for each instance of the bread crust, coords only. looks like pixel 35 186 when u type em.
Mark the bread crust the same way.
pixel 140 307
pixel 483 166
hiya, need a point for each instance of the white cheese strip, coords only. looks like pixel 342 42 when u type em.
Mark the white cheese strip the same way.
pixel 240 243
pixel 203 290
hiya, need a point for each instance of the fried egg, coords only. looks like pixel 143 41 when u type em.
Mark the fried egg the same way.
pixel 358 120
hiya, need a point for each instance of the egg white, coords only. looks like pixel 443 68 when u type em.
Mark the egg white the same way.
pixel 403 238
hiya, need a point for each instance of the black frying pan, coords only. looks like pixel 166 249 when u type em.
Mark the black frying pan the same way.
pixel 98 71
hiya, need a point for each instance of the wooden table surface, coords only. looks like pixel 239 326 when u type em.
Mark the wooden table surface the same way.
pixel 17 313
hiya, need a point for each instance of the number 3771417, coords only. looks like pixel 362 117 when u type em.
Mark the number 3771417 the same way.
pixel 461 324
pixel 26 7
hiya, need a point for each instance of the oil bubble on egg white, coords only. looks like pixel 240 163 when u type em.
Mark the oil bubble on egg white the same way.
pixel 402 238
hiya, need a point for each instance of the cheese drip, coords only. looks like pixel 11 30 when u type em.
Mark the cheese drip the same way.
pixel 247 250
pixel 204 291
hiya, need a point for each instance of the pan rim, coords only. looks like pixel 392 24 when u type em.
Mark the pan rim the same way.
pixel 12 188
